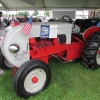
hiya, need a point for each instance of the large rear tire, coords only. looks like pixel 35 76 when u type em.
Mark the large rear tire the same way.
pixel 31 78
pixel 91 55
pixel 4 64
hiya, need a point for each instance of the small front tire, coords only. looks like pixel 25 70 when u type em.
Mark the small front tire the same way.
pixel 31 78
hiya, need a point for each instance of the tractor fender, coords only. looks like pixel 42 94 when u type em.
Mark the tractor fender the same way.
pixel 89 32
pixel 16 36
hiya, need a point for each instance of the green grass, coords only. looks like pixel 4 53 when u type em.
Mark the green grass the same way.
pixel 70 81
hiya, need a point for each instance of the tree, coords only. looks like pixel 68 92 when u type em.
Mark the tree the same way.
pixel 20 13
pixel 26 13
pixel 23 13
pixel 47 13
pixel 4 15
pixel 35 13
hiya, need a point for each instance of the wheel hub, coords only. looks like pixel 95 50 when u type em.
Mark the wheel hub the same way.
pixel 99 52
pixel 34 79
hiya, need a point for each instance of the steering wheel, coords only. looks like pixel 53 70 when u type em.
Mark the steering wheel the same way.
pixel 51 20
pixel 68 19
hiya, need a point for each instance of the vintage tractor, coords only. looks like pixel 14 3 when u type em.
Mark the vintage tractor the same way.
pixel 29 54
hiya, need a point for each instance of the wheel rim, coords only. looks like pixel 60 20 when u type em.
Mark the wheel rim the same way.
pixel 8 64
pixel 98 56
pixel 35 80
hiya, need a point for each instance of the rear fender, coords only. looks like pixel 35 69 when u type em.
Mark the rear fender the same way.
pixel 90 31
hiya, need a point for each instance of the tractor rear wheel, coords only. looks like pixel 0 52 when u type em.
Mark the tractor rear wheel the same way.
pixel 4 64
pixel 91 55
pixel 31 78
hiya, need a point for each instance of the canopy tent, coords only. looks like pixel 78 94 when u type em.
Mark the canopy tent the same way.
pixel 49 4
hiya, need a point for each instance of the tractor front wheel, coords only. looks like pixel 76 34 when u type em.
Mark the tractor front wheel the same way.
pixel 31 78
pixel 91 55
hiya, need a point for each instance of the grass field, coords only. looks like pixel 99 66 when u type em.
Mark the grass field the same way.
pixel 70 81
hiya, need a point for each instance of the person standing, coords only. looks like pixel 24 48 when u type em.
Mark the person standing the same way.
pixel 0 18
pixel 25 19
pixel 1 71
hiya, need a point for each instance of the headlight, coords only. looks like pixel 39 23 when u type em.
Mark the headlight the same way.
pixel 14 48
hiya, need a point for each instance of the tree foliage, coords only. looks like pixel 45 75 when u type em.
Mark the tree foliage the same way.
pixel 35 13
pixel 23 13
pixel 47 13
pixel 4 15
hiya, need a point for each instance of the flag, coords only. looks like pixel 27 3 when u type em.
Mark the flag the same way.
pixel 98 24
pixel 27 27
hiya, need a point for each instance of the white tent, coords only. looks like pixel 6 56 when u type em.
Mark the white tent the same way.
pixel 49 4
